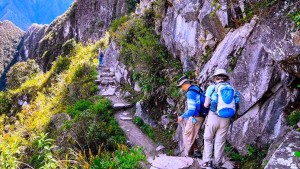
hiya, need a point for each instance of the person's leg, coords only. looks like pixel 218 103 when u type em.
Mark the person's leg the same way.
pixel 187 136
pixel 194 134
pixel 220 140
pixel 209 133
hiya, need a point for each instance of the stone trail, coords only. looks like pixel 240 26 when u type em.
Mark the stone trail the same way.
pixel 109 88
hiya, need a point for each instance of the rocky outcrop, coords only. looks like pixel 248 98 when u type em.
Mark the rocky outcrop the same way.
pixel 10 37
pixel 261 57
pixel 285 155
pixel 30 40
pixel 85 21
pixel 191 29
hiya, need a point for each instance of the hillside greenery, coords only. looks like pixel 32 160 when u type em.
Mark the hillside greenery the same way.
pixel 55 120
pixel 10 37
pixel 151 66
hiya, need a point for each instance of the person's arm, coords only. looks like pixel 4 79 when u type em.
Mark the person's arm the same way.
pixel 207 102
pixel 208 94
pixel 191 104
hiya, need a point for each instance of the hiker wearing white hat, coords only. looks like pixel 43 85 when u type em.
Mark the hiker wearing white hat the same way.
pixel 220 98
pixel 192 119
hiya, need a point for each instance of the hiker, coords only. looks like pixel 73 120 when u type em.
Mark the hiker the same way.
pixel 222 99
pixel 191 119
pixel 100 57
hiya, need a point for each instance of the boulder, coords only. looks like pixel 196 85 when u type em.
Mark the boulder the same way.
pixel 262 124
pixel 230 45
pixel 168 162
pixel 284 157
pixel 144 115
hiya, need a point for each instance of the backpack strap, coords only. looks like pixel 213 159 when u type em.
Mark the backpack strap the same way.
pixel 194 90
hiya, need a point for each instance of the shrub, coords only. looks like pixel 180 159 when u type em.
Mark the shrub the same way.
pixel 293 118
pixel 122 158
pixel 21 72
pixel 117 23
pixel 295 17
pixel 43 156
pixel 4 103
pixel 253 158
pixel 144 127
pixel 95 125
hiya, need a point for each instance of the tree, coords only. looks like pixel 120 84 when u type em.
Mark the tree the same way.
pixel 21 72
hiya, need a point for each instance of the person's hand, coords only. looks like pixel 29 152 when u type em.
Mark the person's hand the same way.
pixel 179 119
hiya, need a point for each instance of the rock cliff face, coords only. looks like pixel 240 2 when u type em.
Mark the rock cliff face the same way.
pixel 85 21
pixel 261 57
pixel 10 37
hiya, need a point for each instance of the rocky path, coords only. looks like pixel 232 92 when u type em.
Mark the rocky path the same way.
pixel 108 88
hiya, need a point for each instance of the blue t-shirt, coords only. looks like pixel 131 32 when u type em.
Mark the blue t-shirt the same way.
pixel 210 90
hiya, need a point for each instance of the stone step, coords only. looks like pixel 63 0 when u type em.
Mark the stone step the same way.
pixel 171 162
pixel 109 91
pixel 105 82
pixel 103 69
pixel 106 74
pixel 107 78
pixel 126 118
pixel 121 106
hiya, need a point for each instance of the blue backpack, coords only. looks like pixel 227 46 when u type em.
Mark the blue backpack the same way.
pixel 203 110
pixel 224 100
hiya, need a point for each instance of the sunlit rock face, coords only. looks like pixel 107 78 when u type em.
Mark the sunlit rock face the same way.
pixel 85 21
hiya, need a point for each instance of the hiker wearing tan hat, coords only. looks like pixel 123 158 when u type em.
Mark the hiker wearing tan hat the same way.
pixel 222 100
pixel 191 119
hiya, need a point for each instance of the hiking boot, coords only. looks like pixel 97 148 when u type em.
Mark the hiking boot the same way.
pixel 207 165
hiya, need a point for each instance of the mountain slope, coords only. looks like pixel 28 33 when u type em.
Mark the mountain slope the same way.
pixel 24 13
pixel 10 37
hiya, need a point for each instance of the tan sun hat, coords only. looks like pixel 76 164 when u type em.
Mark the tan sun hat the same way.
pixel 221 72
pixel 182 80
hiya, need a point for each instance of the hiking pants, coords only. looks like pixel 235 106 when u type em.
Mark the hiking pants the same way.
pixel 190 134
pixel 216 129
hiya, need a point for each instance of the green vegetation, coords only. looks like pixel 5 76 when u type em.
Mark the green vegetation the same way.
pixel 262 9
pixel 295 17
pixel 21 72
pixel 90 133
pixel 43 156
pixel 151 65
pixel 142 52
pixel 122 158
pixel 297 154
pixel 68 46
pixel 252 160
pixel 144 127
pixel 293 118
pixel 10 37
